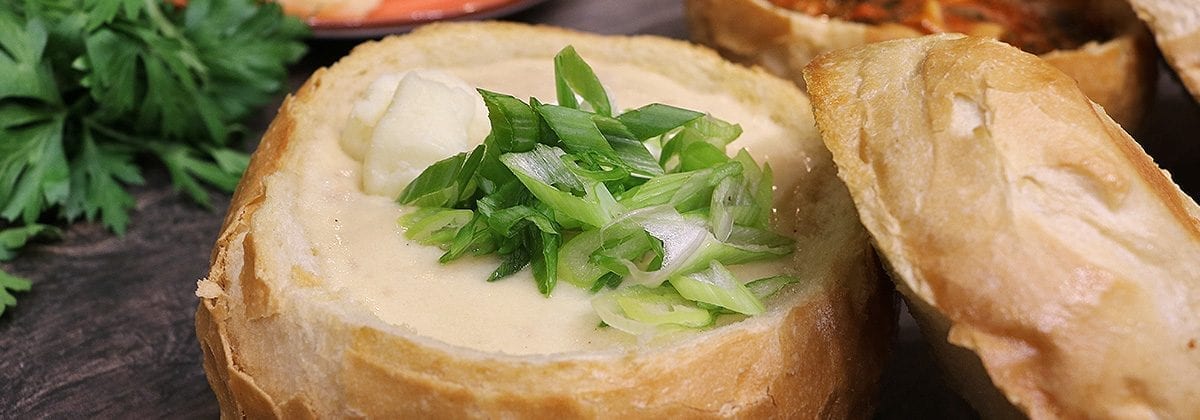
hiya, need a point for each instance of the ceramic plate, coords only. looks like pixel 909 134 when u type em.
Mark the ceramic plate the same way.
pixel 393 16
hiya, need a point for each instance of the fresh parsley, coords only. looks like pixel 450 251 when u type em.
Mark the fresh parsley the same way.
pixel 89 89
pixel 645 208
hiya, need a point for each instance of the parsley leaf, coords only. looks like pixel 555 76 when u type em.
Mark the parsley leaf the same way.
pixel 96 177
pixel 12 239
pixel 89 88
pixel 8 284
pixel 33 167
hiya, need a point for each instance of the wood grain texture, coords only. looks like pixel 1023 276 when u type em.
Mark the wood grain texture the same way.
pixel 108 329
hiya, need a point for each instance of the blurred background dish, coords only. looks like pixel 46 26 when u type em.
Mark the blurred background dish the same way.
pixel 374 18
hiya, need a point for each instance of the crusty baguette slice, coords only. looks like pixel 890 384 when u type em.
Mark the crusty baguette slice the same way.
pixel 1117 73
pixel 1022 224
pixel 1176 28
pixel 282 339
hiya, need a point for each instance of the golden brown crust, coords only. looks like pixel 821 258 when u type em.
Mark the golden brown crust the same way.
pixel 269 354
pixel 1119 73
pixel 1022 224
pixel 821 362
pixel 236 392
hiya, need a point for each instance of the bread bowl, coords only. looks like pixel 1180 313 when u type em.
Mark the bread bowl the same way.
pixel 1115 65
pixel 1039 248
pixel 1176 28
pixel 296 319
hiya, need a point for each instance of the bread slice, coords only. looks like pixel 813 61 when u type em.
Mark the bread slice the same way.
pixel 1176 28
pixel 1118 73
pixel 1033 238
pixel 293 324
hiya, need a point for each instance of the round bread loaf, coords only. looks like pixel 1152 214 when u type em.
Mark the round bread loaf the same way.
pixel 1037 244
pixel 1117 72
pixel 317 306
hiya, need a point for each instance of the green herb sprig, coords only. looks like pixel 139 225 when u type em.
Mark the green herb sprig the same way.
pixel 646 202
pixel 90 87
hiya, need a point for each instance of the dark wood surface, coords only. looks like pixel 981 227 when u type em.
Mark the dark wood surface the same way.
pixel 108 329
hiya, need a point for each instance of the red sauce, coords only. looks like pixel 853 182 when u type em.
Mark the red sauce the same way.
pixel 1037 27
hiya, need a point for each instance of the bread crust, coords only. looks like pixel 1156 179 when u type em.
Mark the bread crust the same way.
pixel 1034 239
pixel 1176 28
pixel 1118 73
pixel 270 354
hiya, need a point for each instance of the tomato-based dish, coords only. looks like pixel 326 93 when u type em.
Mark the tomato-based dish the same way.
pixel 1034 26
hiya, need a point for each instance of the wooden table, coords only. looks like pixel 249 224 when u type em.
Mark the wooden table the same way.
pixel 107 330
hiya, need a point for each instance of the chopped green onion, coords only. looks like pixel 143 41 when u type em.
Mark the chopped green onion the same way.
pixel 715 130
pixel 685 191
pixel 700 155
pixel 515 126
pixel 621 253
pixel 504 222
pixel 727 201
pixel 644 311
pixel 635 156
pixel 766 287
pixel 575 76
pixel 656 119
pixel 445 183
pixel 434 226
pixel 574 262
pixel 575 129
pixel 566 96
pixel 717 286
pixel 661 306
pixel 592 254
pixel 542 171
pixel 511 263
pixel 545 165
pixel 473 238
pixel 760 182
pixel 610 280
pixel 687 143
pixel 583 166
pixel 759 240
pixel 736 201
pixel 612 127
pixel 545 263
pixel 646 209
pixel 688 246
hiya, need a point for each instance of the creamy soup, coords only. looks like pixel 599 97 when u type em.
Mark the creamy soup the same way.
pixel 362 255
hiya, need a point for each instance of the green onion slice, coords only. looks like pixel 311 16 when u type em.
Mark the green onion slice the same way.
pixel 766 287
pixel 688 246
pixel 444 183
pixel 434 226
pixel 574 262
pixel 656 119
pixel 699 143
pixel 545 262
pixel 575 129
pixel 542 171
pixel 685 191
pixel 473 238
pixel 515 126
pixel 645 311
pixel 717 286
pixel 574 76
